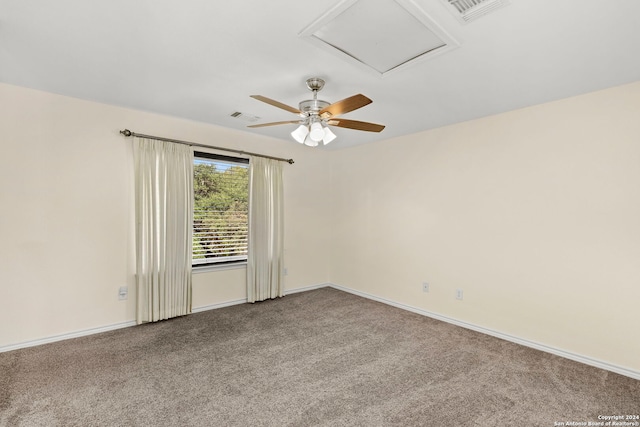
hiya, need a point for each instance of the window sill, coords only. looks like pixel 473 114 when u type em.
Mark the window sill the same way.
pixel 209 268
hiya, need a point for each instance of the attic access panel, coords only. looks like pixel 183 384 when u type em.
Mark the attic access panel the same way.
pixel 382 35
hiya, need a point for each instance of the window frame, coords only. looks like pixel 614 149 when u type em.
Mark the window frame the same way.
pixel 225 264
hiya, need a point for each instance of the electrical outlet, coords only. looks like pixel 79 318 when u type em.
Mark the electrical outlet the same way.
pixel 286 271
pixel 459 294
pixel 425 287
pixel 123 292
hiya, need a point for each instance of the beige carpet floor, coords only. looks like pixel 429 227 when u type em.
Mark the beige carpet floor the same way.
pixel 317 358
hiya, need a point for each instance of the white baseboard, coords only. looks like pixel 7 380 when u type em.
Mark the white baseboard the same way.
pixel 61 337
pixel 244 300
pixel 307 288
pixel 542 347
pixel 91 331
pixel 218 305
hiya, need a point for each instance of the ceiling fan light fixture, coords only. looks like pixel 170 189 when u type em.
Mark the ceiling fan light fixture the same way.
pixel 310 142
pixel 316 132
pixel 328 136
pixel 300 133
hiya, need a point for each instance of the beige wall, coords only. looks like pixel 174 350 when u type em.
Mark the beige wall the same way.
pixel 66 221
pixel 534 214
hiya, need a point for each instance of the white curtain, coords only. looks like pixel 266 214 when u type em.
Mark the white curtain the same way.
pixel 164 217
pixel 266 230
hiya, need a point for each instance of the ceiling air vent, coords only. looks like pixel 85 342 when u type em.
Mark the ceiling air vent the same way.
pixel 468 10
pixel 244 117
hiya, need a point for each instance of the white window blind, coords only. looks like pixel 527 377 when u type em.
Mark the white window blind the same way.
pixel 220 214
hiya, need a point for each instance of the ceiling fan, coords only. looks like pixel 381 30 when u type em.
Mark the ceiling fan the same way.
pixel 316 115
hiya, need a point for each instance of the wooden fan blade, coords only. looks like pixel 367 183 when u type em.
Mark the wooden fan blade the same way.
pixel 348 104
pixel 355 124
pixel 261 125
pixel 276 103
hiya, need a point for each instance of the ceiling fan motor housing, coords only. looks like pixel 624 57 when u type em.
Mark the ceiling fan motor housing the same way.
pixel 311 106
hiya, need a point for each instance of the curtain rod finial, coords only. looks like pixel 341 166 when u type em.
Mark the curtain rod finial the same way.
pixel 290 161
pixel 126 132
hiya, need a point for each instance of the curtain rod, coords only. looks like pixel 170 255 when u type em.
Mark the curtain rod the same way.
pixel 127 132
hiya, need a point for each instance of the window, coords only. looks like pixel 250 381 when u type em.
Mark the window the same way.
pixel 220 210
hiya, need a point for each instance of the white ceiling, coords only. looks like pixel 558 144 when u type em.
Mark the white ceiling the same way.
pixel 201 59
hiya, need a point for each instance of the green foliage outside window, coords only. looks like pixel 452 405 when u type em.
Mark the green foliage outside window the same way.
pixel 221 201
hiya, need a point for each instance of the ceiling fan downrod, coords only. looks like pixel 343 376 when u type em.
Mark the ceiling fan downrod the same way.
pixel 311 108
